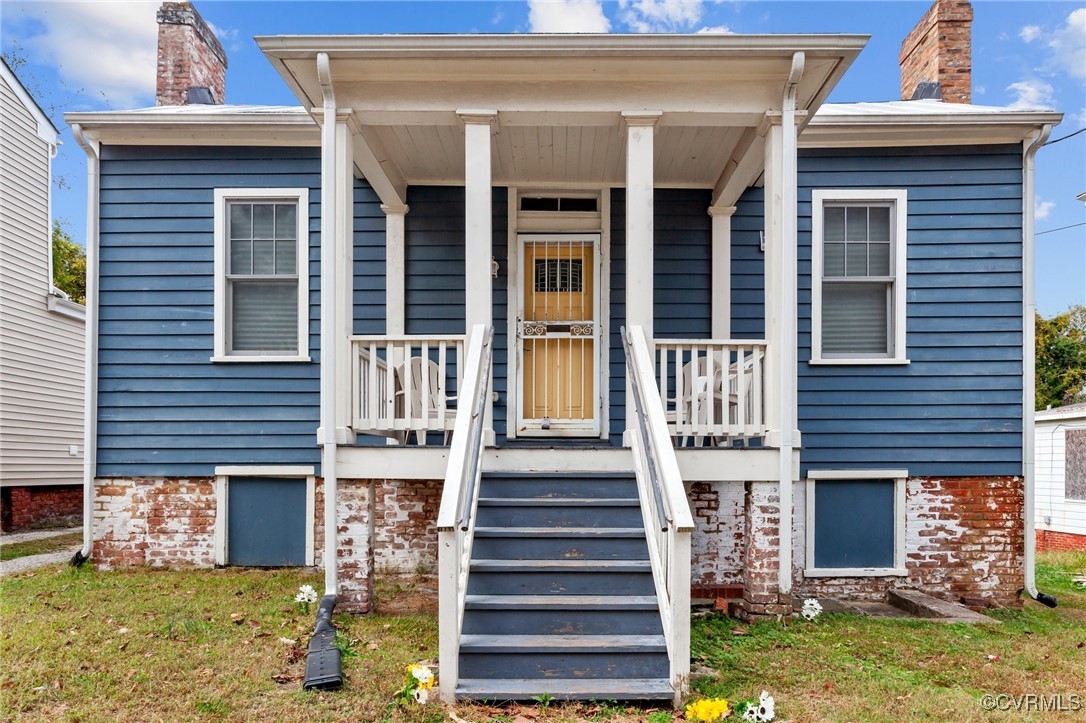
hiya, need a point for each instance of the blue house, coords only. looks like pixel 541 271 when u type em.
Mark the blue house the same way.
pixel 585 324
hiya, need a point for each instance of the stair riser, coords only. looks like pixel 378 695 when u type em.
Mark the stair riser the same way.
pixel 559 516
pixel 560 583
pixel 562 622
pixel 541 548
pixel 563 665
pixel 559 488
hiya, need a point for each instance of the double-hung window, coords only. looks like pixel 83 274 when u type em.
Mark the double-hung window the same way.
pixel 261 282
pixel 858 276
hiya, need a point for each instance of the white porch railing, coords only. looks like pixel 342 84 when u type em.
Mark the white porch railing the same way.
pixel 405 384
pixel 711 389
pixel 664 507
pixel 459 499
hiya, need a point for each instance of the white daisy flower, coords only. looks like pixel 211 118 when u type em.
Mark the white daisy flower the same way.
pixel 811 609
pixel 766 707
pixel 306 594
pixel 421 695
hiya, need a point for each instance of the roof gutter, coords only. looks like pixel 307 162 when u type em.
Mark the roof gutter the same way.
pixel 90 369
pixel 1029 361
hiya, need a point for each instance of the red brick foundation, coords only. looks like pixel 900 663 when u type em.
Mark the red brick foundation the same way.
pixel 26 507
pixel 405 531
pixel 761 594
pixel 964 540
pixel 717 544
pixel 1052 541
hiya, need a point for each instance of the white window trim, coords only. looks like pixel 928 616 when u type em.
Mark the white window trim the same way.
pixel 222 197
pixel 899 476
pixel 898 197
pixel 222 504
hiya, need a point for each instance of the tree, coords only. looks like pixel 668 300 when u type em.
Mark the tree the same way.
pixel 69 265
pixel 1061 358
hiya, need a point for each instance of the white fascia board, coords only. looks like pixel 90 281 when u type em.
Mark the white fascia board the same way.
pixel 855 131
pixel 264 471
pixel 568 45
pixel 1057 414
pixel 196 129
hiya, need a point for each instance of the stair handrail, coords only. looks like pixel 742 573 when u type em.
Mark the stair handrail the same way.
pixel 459 498
pixel 663 502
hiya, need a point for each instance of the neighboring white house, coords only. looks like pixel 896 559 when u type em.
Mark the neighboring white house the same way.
pixel 1061 478
pixel 41 331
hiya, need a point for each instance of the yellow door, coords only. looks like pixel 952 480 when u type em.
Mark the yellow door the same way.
pixel 557 333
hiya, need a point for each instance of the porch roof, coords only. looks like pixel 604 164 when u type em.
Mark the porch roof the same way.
pixel 559 99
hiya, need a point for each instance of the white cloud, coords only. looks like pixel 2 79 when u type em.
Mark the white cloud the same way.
pixel 716 30
pixel 979 90
pixel 101 49
pixel 1030 33
pixel 1031 94
pixel 1044 209
pixel 567 16
pixel 227 36
pixel 1068 45
pixel 660 16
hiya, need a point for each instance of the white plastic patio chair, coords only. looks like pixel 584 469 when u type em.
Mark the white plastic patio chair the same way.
pixel 409 385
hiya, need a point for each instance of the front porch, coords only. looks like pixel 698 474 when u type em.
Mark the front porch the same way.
pixel 558 269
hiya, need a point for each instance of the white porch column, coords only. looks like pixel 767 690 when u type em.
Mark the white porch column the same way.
pixel 640 127
pixel 478 229
pixel 395 266
pixel 722 271
pixel 344 269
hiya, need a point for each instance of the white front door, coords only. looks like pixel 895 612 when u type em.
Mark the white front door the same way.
pixel 558 335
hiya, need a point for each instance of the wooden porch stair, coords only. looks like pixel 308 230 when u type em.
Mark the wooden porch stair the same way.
pixel 560 597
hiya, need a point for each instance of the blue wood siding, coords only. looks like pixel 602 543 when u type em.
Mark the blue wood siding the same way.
pixel 682 280
pixel 163 408
pixel 957 408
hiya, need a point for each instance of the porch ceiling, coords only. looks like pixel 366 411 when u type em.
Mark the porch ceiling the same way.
pixel 559 99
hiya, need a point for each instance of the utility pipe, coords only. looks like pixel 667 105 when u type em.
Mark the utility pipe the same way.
pixel 787 319
pixel 328 322
pixel 1029 362
pixel 90 357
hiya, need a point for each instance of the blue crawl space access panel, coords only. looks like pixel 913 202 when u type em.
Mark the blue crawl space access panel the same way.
pixel 265 522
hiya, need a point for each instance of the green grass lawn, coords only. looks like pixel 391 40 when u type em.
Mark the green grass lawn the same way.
pixel 71 541
pixel 229 644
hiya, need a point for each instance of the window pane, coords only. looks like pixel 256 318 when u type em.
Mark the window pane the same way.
pixel 856 223
pixel 265 316
pixel 286 257
pixel 263 257
pixel 880 259
pixel 856 259
pixel 241 257
pixel 241 220
pixel 833 260
pixel 833 222
pixel 879 223
pixel 854 318
pixel 263 220
pixel 854 523
pixel 286 221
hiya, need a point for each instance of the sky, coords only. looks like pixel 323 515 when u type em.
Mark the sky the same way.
pixel 97 55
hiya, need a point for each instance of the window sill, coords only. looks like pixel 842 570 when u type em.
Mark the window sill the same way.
pixel 63 307
pixel 856 572
pixel 251 359
pixel 857 362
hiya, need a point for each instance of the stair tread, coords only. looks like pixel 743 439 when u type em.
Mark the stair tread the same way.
pixel 480 643
pixel 491 531
pixel 573 602
pixel 559 502
pixel 569 565
pixel 566 688
pixel 513 474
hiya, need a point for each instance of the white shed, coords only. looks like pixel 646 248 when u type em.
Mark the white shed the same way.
pixel 1061 478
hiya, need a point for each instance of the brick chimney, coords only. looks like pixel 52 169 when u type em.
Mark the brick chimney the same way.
pixel 937 51
pixel 189 57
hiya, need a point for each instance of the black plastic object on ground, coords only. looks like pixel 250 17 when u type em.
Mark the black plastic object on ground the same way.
pixel 323 667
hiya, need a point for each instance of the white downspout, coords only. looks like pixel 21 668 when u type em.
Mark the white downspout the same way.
pixel 90 361
pixel 1029 361
pixel 328 323
pixel 789 398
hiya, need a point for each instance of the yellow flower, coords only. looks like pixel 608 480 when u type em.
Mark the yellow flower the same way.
pixel 707 709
